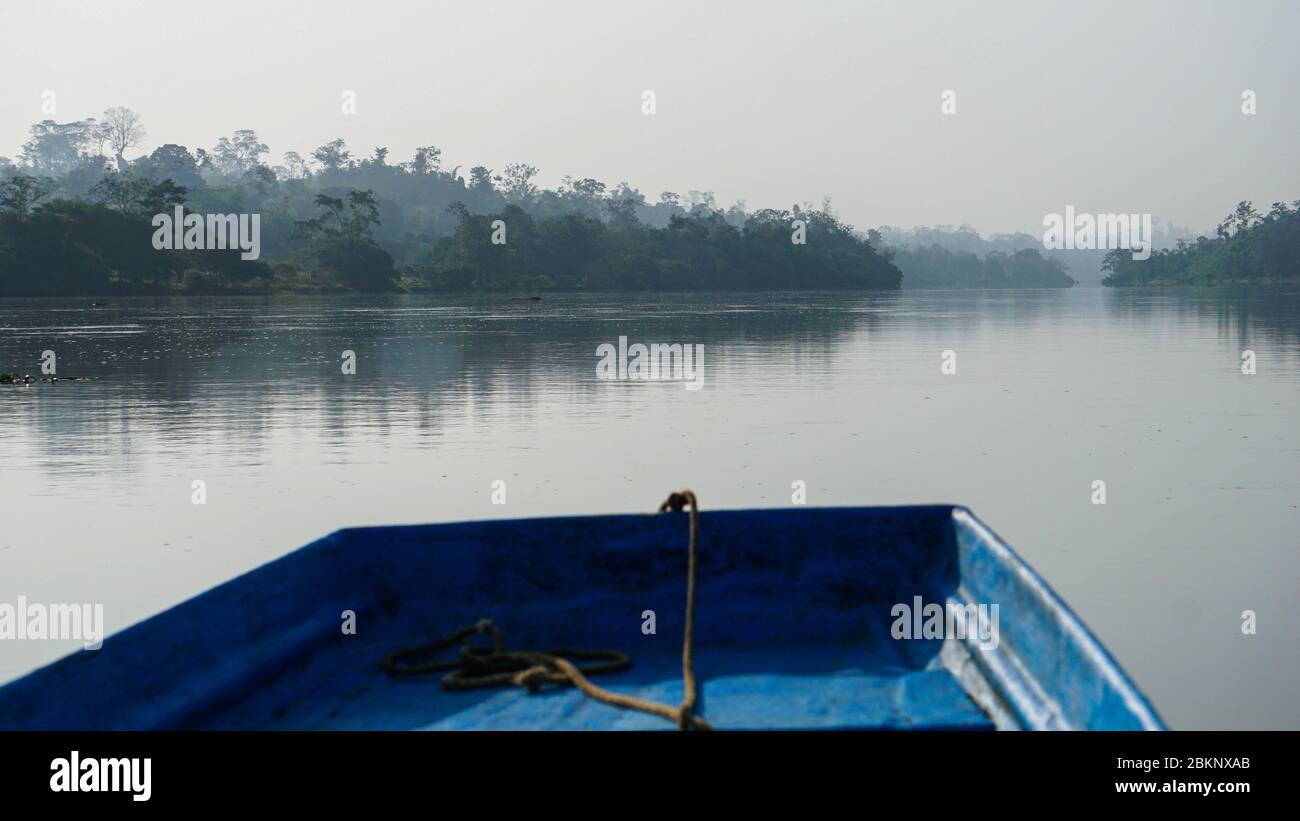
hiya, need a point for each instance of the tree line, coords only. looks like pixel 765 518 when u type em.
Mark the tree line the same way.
pixel 75 219
pixel 78 247
pixel 934 266
pixel 1248 247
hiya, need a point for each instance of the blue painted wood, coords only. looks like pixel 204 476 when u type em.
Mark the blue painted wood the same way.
pixel 793 631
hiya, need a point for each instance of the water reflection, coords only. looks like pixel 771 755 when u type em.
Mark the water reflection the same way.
pixel 842 390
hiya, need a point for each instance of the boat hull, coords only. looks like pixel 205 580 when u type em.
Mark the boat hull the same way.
pixel 795 629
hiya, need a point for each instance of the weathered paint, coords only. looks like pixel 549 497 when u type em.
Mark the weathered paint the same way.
pixel 792 630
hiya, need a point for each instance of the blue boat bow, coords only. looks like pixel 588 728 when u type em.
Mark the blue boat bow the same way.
pixel 795 629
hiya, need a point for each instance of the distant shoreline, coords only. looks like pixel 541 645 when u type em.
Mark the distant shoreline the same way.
pixel 108 301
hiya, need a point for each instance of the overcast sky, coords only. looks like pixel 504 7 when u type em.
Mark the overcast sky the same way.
pixel 1128 106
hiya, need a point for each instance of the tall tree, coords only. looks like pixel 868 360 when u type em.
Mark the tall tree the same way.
pixel 333 155
pixel 122 129
pixel 57 148
pixel 427 160
pixel 294 168
pixel 343 245
pixel 516 182
pixel 239 153
pixel 480 179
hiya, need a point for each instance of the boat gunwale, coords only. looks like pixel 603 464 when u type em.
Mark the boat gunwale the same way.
pixel 1078 634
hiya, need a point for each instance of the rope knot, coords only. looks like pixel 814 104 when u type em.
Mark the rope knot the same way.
pixel 532 679
pixel 477 666
pixel 676 502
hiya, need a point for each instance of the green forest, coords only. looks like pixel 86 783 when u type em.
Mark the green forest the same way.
pixel 934 266
pixel 75 219
pixel 1248 248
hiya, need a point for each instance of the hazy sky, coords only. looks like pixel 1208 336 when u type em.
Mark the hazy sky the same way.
pixel 1129 106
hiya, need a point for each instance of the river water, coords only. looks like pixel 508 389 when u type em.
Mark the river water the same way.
pixel 1053 390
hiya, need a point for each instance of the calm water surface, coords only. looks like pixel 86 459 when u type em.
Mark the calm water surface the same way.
pixel 1053 390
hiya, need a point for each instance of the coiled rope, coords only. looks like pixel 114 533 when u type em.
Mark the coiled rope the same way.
pixel 478 667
